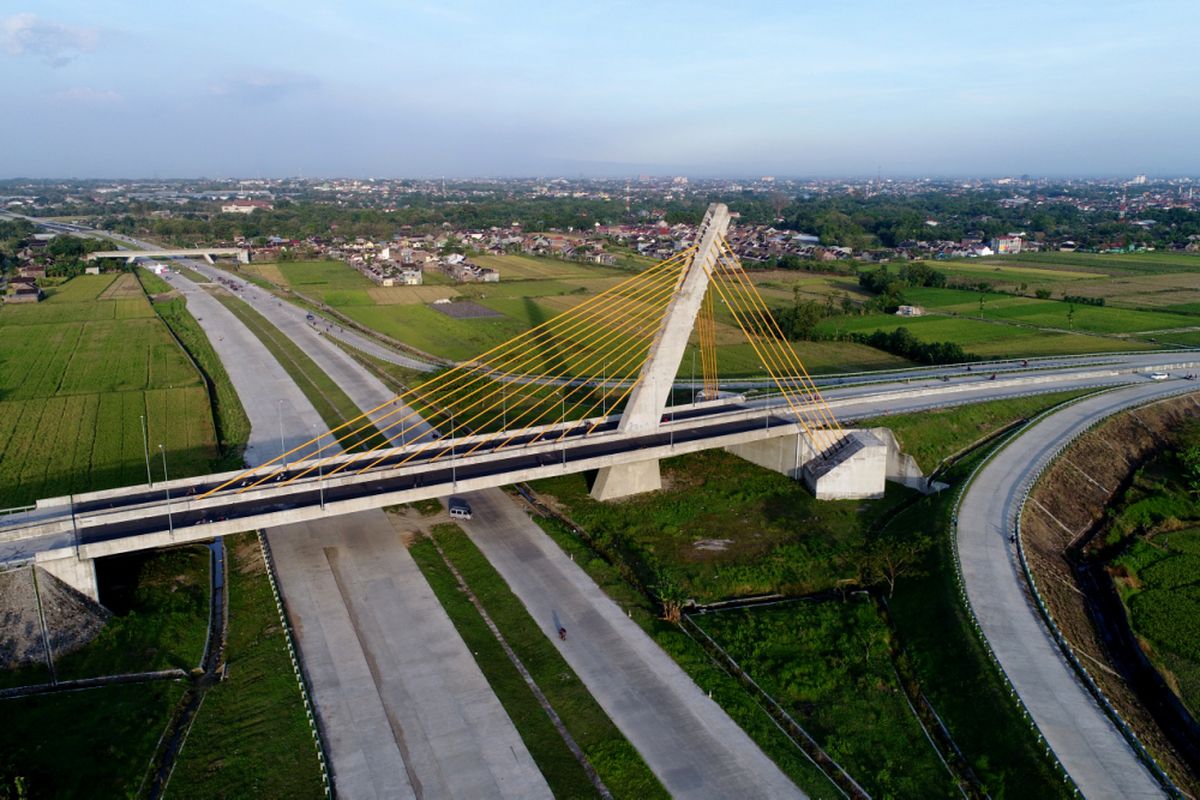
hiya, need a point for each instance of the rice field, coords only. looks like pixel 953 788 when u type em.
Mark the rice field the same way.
pixel 77 373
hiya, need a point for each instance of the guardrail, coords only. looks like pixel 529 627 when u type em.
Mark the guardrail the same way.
pixel 1064 646
pixel 327 775
pixel 1063 643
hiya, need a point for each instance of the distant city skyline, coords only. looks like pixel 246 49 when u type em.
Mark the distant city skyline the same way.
pixel 417 89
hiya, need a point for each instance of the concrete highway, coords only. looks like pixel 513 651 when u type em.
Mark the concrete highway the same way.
pixel 351 587
pixel 404 709
pixel 1086 742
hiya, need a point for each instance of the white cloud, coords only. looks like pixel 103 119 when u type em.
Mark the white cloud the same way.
pixel 54 43
pixel 84 95
pixel 263 86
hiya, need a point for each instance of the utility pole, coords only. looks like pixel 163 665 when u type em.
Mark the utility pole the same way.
pixel 320 471
pixel 693 381
pixel 146 450
pixel 282 449
pixel 167 487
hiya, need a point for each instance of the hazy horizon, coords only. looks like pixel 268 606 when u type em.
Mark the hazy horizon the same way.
pixel 461 90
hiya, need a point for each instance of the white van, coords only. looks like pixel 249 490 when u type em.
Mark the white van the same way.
pixel 459 508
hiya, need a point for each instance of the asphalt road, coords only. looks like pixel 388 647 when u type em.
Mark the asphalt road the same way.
pixel 1094 753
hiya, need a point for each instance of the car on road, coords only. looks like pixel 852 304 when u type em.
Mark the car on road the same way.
pixel 459 508
pixel 1159 376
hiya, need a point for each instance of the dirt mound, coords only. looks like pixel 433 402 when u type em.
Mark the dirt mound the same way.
pixel 21 641
pixel 1066 507
pixel 72 620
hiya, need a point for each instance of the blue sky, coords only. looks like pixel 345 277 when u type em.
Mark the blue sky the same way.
pixel 293 87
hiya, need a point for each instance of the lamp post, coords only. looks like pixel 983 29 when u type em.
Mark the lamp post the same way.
pixel 604 389
pixel 282 449
pixel 453 466
pixel 693 383
pixel 563 424
pixel 146 450
pixel 320 471
pixel 167 488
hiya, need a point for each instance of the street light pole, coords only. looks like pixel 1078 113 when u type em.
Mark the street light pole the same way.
pixel 282 449
pixel 604 389
pixel 563 424
pixel 693 384
pixel 146 450
pixel 453 466
pixel 320 471
pixel 167 488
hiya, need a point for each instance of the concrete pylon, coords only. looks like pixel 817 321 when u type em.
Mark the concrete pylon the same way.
pixel 648 399
pixel 644 410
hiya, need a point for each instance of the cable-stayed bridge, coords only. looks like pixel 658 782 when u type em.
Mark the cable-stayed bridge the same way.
pixel 588 390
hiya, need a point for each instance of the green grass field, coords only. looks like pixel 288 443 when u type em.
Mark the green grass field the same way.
pixel 251 737
pixel 160 602
pixel 986 338
pixel 829 665
pixel 741 706
pixel 933 435
pixel 1157 569
pixel 614 759
pixel 86 744
pixel 76 373
pixel 1161 587
pixel 777 537
pixel 780 539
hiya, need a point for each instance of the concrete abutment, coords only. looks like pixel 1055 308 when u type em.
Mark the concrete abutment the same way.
pixel 68 567
pixel 623 480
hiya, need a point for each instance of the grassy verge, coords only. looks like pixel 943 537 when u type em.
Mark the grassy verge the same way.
pixel 829 664
pixel 614 759
pixel 691 657
pixel 251 736
pixel 86 744
pixel 952 662
pixel 722 528
pixel 233 427
pixel 194 276
pixel 777 538
pixel 934 435
pixel 160 604
pixel 334 405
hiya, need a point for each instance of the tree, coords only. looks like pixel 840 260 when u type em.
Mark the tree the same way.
pixel 886 559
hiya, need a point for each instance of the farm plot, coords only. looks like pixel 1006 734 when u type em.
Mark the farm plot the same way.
pixel 75 381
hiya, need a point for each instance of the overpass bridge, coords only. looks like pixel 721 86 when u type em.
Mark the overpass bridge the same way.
pixel 589 389
pixel 207 253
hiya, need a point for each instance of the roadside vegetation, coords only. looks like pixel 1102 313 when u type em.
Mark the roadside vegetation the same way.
pixel 78 371
pixel 84 744
pixel 233 427
pixel 615 761
pixel 829 664
pixel 1156 526
pixel 723 529
pixel 251 736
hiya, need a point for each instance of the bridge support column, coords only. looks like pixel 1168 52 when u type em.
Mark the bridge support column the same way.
pixel 208 257
pixel 786 454
pixel 78 573
pixel 856 471
pixel 623 480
